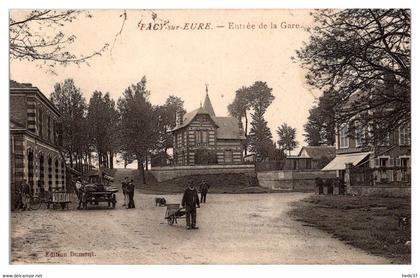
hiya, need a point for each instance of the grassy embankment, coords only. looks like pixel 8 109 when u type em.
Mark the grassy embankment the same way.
pixel 220 183
pixel 369 223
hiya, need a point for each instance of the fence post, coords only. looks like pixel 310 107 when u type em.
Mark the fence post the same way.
pixel 347 176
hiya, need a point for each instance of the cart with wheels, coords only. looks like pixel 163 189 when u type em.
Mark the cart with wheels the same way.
pixel 173 213
pixel 103 196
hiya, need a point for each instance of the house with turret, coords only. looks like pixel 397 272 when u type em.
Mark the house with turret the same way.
pixel 201 138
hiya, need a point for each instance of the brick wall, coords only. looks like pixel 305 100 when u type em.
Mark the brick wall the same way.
pixel 18 109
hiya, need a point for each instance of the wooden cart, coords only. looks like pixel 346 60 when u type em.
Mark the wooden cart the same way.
pixel 174 212
pixel 95 197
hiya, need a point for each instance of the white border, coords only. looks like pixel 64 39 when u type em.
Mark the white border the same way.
pixel 197 271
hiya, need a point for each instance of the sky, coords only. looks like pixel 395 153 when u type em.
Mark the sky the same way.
pixel 180 62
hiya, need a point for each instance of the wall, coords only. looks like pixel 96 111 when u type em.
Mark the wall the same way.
pixel 292 180
pixel 18 109
pixel 168 173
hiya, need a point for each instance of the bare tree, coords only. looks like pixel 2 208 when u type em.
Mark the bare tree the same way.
pixel 29 38
pixel 362 56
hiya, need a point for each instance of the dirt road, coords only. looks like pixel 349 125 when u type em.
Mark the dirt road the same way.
pixel 234 229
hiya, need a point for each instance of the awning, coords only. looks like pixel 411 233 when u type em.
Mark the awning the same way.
pixel 340 161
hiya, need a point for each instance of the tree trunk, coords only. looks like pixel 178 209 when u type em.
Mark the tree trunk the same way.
pixel 147 162
pixel 246 134
pixel 111 160
pixel 140 166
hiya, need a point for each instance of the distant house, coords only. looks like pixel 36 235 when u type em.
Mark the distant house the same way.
pixel 201 137
pixel 310 158
pixel 35 137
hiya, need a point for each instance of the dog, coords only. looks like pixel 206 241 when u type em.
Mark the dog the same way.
pixel 160 201
pixel 404 222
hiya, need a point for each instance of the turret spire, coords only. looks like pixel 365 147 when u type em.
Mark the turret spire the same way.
pixel 207 103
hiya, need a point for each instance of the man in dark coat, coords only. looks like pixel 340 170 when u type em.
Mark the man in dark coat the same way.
pixel 191 202
pixel 130 193
pixel 26 195
pixel 204 188
pixel 124 185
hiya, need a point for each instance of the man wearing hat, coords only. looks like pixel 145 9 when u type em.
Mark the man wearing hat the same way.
pixel 191 202
pixel 204 188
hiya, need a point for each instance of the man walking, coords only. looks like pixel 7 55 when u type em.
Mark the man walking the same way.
pixel 191 203
pixel 130 193
pixel 124 185
pixel 204 188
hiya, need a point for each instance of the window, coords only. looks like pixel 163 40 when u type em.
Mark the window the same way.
pixel 201 137
pixel 359 134
pixel 344 139
pixel 404 135
pixel 228 156
pixel 205 136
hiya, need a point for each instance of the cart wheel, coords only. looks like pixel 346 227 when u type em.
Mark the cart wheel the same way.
pixel 171 220
pixel 35 203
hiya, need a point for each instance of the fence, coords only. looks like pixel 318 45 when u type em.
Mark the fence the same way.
pixel 365 176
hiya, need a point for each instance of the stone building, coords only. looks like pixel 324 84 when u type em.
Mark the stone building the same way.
pixel 35 137
pixel 201 137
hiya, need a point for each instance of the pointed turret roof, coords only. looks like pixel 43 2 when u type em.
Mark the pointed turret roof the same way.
pixel 207 104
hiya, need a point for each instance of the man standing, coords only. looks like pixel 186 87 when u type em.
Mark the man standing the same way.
pixel 191 203
pixel 204 188
pixel 124 185
pixel 26 195
pixel 130 192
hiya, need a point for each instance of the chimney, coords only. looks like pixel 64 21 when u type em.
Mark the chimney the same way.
pixel 179 117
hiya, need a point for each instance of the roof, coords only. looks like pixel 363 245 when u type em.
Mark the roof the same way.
pixel 340 161
pixel 207 106
pixel 228 128
pixel 317 152
pixel 188 117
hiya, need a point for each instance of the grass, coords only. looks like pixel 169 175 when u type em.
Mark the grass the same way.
pixel 369 223
pixel 219 183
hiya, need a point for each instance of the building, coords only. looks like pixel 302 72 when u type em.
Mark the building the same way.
pixel 310 158
pixel 201 137
pixel 35 137
pixel 366 167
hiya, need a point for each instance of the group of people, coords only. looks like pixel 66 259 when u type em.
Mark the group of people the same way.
pixel 128 192
pixel 329 184
pixel 191 202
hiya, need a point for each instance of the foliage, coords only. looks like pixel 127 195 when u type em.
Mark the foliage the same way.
pixel 367 52
pixel 205 156
pixel 140 126
pixel 167 116
pixel 320 127
pixel 260 136
pixel 102 119
pixel 70 102
pixel 287 138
